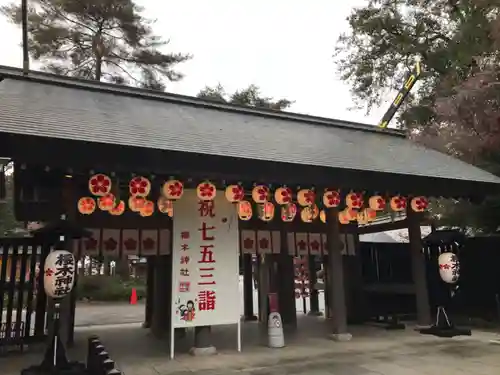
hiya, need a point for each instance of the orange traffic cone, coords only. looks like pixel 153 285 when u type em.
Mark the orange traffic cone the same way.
pixel 133 297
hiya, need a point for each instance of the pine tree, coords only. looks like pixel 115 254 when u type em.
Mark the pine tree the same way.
pixel 104 40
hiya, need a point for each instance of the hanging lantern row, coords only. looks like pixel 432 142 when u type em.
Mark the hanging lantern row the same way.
pixel 100 186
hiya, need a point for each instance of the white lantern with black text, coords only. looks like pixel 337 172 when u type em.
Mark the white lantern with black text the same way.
pixel 449 267
pixel 59 273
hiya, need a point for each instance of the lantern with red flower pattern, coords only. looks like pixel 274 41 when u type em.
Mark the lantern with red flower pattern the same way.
pixel 331 198
pixel 309 213
pixel 139 186
pixel 86 205
pixel 376 203
pixel 260 194
pixel 206 191
pixel 361 218
pixel 306 197
pixel 343 219
pixel 283 195
pixel 350 213
pixel 118 210
pixel 165 206
pixel 354 200
pixel 288 212
pixel 148 209
pixel 244 209
pixel 419 204
pixel 99 184
pixel 106 202
pixel 173 190
pixel 370 214
pixel 235 193
pixel 398 203
pixel 266 211
pixel 136 203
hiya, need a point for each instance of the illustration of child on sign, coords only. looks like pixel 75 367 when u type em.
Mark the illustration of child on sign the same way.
pixel 188 311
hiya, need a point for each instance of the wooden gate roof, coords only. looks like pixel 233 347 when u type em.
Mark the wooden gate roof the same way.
pixel 44 105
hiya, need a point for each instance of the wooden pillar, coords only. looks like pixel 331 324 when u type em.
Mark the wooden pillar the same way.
pixel 162 295
pixel 418 269
pixel 314 295
pixel 150 277
pixel 286 286
pixel 338 320
pixel 248 287
pixel 264 280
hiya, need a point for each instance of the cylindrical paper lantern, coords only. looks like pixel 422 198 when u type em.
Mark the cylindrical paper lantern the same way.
pixel 370 214
pixel 306 214
pixel 148 209
pixel 139 186
pixel 86 205
pixel 398 203
pixel 260 194
pixel 306 197
pixel 361 218
pixel 136 203
pixel 322 216
pixel 449 268
pixel 350 214
pixel 165 206
pixel 266 211
pixel 106 202
pixel 118 210
pixel 244 209
pixel 99 184
pixel 59 262
pixel 288 212
pixel 235 193
pixel 283 195
pixel 331 198
pixel 173 190
pixel 206 191
pixel 419 204
pixel 377 203
pixel 343 219
pixel 354 200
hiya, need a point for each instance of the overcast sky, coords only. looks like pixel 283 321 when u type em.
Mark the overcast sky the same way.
pixel 284 47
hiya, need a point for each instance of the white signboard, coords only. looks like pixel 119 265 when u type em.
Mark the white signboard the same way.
pixel 59 273
pixel 205 262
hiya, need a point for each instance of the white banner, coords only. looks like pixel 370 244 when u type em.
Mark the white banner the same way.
pixel 205 278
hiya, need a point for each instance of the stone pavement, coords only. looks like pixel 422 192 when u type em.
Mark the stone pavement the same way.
pixel 372 351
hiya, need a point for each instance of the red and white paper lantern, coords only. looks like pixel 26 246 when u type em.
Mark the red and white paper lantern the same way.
pixel 266 211
pixel 350 214
pixel 139 186
pixel 118 210
pixel 331 198
pixel 398 203
pixel 206 191
pixel 165 206
pixel 148 209
pixel 173 190
pixel 343 219
pixel 99 184
pixel 419 204
pixel 288 212
pixel 377 203
pixel 449 267
pixel 260 194
pixel 244 210
pixel 136 203
pixel 283 195
pixel 106 202
pixel 56 284
pixel 354 200
pixel 235 193
pixel 370 214
pixel 86 205
pixel 306 197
